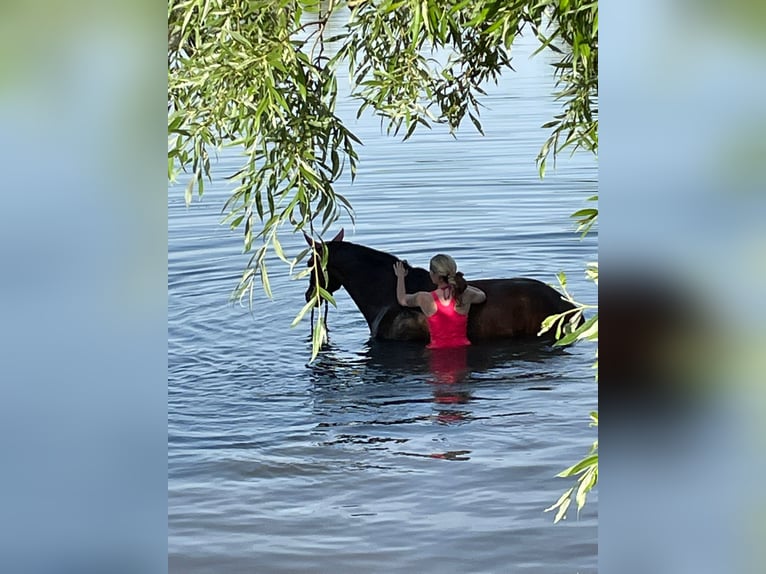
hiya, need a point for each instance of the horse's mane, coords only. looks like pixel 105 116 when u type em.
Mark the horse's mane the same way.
pixel 364 256
pixel 364 253
pixel 371 256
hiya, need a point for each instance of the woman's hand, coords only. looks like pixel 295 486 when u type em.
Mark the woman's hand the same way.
pixel 399 269
pixel 401 294
pixel 476 295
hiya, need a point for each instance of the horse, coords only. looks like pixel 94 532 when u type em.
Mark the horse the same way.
pixel 515 308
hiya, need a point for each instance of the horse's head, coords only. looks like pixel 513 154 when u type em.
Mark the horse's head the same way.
pixel 330 281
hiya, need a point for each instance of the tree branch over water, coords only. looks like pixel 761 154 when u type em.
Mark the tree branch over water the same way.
pixel 247 74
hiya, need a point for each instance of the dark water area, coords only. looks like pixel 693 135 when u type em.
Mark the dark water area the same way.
pixel 372 458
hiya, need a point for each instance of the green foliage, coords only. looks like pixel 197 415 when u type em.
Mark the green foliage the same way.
pixel 587 469
pixel 571 30
pixel 254 74
pixel 246 74
pixel 586 218
pixel 393 49
pixel 569 329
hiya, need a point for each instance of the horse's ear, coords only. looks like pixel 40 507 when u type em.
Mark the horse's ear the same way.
pixel 312 243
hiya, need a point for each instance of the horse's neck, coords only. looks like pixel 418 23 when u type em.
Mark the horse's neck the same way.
pixel 372 289
pixel 373 294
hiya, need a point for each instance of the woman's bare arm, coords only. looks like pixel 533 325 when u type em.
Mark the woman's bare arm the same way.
pixel 475 295
pixel 404 299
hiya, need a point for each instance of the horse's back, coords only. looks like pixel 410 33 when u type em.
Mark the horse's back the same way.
pixel 514 308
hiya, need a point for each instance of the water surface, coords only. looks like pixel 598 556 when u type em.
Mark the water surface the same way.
pixel 365 461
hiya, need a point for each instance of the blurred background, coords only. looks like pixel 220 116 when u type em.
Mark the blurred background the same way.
pixel 682 242
pixel 83 293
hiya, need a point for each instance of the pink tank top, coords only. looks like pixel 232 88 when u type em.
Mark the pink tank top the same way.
pixel 447 327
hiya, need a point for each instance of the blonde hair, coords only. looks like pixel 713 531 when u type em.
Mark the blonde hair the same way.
pixel 446 269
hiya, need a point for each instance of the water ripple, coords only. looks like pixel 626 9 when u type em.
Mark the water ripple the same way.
pixel 361 461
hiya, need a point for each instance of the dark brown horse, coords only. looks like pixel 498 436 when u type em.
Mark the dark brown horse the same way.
pixel 515 308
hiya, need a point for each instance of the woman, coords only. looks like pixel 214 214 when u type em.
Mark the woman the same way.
pixel 446 308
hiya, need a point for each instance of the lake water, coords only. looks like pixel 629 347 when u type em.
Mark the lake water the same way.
pixel 361 461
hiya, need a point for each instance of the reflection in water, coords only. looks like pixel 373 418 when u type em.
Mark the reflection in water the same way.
pixel 449 455
pixel 385 386
pixel 412 357
pixel 384 366
pixel 455 365
pixel 448 368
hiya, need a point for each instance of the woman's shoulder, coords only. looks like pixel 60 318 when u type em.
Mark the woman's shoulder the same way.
pixel 425 299
pixel 425 295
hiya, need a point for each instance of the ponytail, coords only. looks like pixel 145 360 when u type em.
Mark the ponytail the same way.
pixel 458 284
